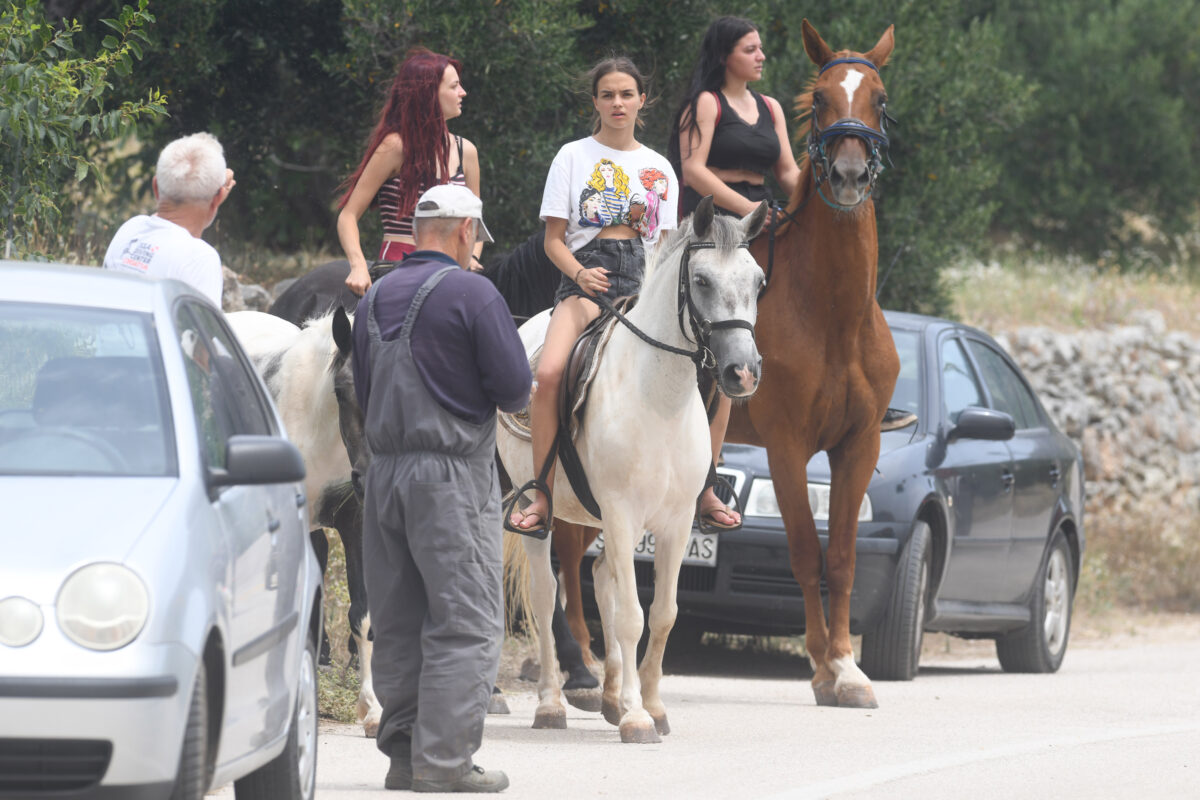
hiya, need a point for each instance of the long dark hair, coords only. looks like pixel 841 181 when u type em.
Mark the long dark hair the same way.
pixel 615 64
pixel 708 76
pixel 414 111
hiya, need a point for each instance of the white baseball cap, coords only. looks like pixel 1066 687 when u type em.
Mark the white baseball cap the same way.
pixel 453 202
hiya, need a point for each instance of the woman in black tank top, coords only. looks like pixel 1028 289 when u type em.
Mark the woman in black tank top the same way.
pixel 725 140
pixel 726 137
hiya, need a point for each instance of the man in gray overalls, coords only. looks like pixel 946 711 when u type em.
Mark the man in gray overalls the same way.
pixel 435 353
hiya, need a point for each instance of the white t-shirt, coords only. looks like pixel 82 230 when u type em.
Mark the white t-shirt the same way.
pixel 159 248
pixel 592 186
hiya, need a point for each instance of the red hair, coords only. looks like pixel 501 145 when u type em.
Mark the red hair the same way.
pixel 649 176
pixel 414 111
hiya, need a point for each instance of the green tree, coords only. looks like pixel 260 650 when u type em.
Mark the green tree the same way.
pixel 54 101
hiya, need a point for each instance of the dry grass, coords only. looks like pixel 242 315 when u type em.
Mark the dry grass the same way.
pixel 1068 295
pixel 337 684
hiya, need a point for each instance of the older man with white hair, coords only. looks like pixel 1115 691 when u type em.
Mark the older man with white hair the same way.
pixel 190 183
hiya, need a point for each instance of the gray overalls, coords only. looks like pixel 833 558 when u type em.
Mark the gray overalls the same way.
pixel 432 559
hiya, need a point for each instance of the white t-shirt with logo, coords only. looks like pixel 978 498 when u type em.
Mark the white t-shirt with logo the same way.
pixel 592 187
pixel 159 248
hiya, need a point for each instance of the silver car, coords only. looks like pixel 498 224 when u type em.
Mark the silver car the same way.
pixel 160 603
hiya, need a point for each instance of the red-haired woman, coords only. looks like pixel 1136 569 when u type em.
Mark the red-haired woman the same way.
pixel 410 150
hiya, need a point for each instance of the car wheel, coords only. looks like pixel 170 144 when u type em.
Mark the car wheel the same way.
pixel 293 773
pixel 191 779
pixel 1041 645
pixel 892 651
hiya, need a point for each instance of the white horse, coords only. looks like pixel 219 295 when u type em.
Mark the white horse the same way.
pixel 309 375
pixel 644 444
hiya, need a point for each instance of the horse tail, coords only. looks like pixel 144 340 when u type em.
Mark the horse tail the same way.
pixel 518 610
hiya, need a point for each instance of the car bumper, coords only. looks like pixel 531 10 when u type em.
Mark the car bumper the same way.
pixel 129 722
pixel 752 590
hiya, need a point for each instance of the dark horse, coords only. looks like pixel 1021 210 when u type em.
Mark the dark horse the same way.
pixel 829 363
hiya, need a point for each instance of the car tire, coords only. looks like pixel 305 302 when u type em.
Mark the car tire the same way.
pixel 1041 645
pixel 292 775
pixel 892 651
pixel 191 778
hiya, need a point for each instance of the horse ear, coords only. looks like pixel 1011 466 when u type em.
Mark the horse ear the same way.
pixel 343 336
pixel 818 52
pixel 702 217
pixel 752 223
pixel 883 48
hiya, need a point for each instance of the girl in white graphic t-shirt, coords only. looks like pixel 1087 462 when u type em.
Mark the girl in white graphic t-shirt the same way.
pixel 594 206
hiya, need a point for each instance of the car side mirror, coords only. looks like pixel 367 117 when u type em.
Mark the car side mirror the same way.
pixel 983 423
pixel 258 460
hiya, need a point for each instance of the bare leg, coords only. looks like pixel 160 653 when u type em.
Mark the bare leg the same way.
pixel 710 504
pixel 569 319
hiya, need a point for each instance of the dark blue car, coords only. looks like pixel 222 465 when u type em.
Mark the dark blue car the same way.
pixel 972 524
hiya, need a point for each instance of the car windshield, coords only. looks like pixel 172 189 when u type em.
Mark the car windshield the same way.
pixel 82 392
pixel 907 394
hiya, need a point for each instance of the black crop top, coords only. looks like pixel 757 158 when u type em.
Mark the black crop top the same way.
pixel 737 145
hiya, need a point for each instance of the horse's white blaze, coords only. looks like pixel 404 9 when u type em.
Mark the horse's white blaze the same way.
pixel 850 83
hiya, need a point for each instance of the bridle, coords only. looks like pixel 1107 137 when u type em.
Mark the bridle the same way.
pixel 876 140
pixel 701 327
pixel 819 138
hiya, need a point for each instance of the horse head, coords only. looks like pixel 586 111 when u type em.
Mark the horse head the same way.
pixel 719 286
pixel 847 135
pixel 350 416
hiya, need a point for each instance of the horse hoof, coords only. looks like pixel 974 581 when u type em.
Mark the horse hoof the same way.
pixel 856 697
pixel 825 694
pixel 661 725
pixel 611 712
pixel 370 728
pixel 498 705
pixel 584 699
pixel 553 719
pixel 639 733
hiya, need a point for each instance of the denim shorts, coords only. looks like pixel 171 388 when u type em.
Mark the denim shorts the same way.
pixel 624 259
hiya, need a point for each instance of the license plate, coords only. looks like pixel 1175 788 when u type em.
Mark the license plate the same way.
pixel 701 548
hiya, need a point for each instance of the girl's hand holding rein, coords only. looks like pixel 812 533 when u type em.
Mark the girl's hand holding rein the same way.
pixel 594 281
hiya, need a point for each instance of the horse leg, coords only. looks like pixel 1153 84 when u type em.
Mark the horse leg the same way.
pixel 570 543
pixel 804 552
pixel 551 711
pixel 851 465
pixel 668 558
pixel 320 546
pixel 637 726
pixel 602 579
pixel 347 518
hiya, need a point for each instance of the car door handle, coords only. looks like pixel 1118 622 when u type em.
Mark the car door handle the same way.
pixel 1054 476
pixel 301 500
pixel 272 523
pixel 1008 479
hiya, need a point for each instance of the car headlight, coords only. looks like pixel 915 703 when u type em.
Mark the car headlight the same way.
pixel 20 621
pixel 763 502
pixel 103 606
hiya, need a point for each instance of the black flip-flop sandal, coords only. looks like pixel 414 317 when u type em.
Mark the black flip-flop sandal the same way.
pixel 542 529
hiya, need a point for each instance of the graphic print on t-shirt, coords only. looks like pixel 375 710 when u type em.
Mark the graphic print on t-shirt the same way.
pixel 138 254
pixel 607 198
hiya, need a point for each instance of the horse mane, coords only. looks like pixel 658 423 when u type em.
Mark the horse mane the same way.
pixel 321 340
pixel 726 233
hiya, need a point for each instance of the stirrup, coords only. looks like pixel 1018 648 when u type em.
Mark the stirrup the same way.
pixel 542 529
pixel 705 522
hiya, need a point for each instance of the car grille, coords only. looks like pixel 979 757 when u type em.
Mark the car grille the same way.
pixel 51 765
pixel 692 578
pixel 756 580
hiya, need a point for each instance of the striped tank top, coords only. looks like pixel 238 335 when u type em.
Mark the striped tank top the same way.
pixel 388 199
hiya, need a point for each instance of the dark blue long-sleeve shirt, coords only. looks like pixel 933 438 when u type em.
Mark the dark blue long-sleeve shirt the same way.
pixel 464 341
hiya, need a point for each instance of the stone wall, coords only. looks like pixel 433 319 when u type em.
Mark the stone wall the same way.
pixel 1130 398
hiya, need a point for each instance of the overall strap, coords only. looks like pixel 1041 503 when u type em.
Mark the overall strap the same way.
pixel 372 323
pixel 419 300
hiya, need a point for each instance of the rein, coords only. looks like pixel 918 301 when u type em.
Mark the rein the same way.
pixel 702 328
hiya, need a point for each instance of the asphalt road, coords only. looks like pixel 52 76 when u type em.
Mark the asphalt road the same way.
pixel 1120 719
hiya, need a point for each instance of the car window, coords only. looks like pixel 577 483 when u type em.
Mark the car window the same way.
pixel 225 398
pixel 960 388
pixel 1009 392
pixel 82 392
pixel 907 394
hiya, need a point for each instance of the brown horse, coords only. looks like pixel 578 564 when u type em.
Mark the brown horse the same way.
pixel 829 363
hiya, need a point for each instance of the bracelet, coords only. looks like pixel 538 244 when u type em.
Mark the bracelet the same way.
pixel 579 272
